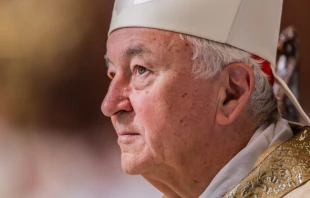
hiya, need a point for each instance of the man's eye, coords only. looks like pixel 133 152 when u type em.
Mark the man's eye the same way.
pixel 141 70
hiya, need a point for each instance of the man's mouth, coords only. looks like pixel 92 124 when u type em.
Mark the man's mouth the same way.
pixel 127 137
pixel 128 133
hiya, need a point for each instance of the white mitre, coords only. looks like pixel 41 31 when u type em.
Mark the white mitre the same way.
pixel 250 25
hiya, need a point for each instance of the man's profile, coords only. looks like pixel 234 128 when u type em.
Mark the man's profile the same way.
pixel 192 102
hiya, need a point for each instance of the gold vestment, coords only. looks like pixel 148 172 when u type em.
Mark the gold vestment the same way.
pixel 285 169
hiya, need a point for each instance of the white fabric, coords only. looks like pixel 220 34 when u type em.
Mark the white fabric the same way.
pixel 243 163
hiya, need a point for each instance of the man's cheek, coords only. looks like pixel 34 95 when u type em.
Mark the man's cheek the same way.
pixel 147 113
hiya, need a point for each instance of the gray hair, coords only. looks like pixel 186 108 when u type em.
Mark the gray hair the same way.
pixel 210 57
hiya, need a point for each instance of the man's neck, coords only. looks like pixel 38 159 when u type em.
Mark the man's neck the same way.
pixel 174 185
pixel 193 177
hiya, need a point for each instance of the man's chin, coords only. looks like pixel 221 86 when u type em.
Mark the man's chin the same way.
pixel 133 165
pixel 130 171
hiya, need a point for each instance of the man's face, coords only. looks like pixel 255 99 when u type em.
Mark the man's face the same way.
pixel 162 114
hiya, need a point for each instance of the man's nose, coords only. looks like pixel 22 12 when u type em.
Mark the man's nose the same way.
pixel 116 100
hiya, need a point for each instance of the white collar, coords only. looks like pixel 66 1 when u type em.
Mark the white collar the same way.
pixel 243 163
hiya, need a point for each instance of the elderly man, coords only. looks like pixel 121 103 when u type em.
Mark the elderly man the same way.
pixel 191 99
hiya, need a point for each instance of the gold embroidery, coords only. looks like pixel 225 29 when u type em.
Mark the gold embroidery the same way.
pixel 283 170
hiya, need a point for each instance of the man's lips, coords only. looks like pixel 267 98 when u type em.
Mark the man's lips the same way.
pixel 127 137
pixel 128 133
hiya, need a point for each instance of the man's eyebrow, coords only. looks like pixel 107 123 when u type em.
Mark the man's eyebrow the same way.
pixel 135 51
pixel 129 52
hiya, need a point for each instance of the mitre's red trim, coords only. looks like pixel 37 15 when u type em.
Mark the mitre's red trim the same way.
pixel 266 68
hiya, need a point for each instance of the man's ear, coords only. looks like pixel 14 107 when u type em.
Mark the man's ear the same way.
pixel 238 84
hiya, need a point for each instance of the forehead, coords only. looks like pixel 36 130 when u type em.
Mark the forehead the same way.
pixel 143 39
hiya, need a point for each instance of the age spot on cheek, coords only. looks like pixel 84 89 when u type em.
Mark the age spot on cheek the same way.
pixel 184 95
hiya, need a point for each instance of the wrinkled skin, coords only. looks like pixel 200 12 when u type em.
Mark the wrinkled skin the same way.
pixel 165 118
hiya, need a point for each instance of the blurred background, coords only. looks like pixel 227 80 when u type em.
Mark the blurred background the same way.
pixel 54 140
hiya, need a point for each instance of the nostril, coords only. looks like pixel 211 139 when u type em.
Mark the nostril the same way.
pixel 119 112
pixel 113 106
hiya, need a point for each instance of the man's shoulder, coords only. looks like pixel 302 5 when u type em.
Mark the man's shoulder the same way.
pixel 285 168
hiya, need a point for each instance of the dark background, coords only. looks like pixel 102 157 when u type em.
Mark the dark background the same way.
pixel 297 13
